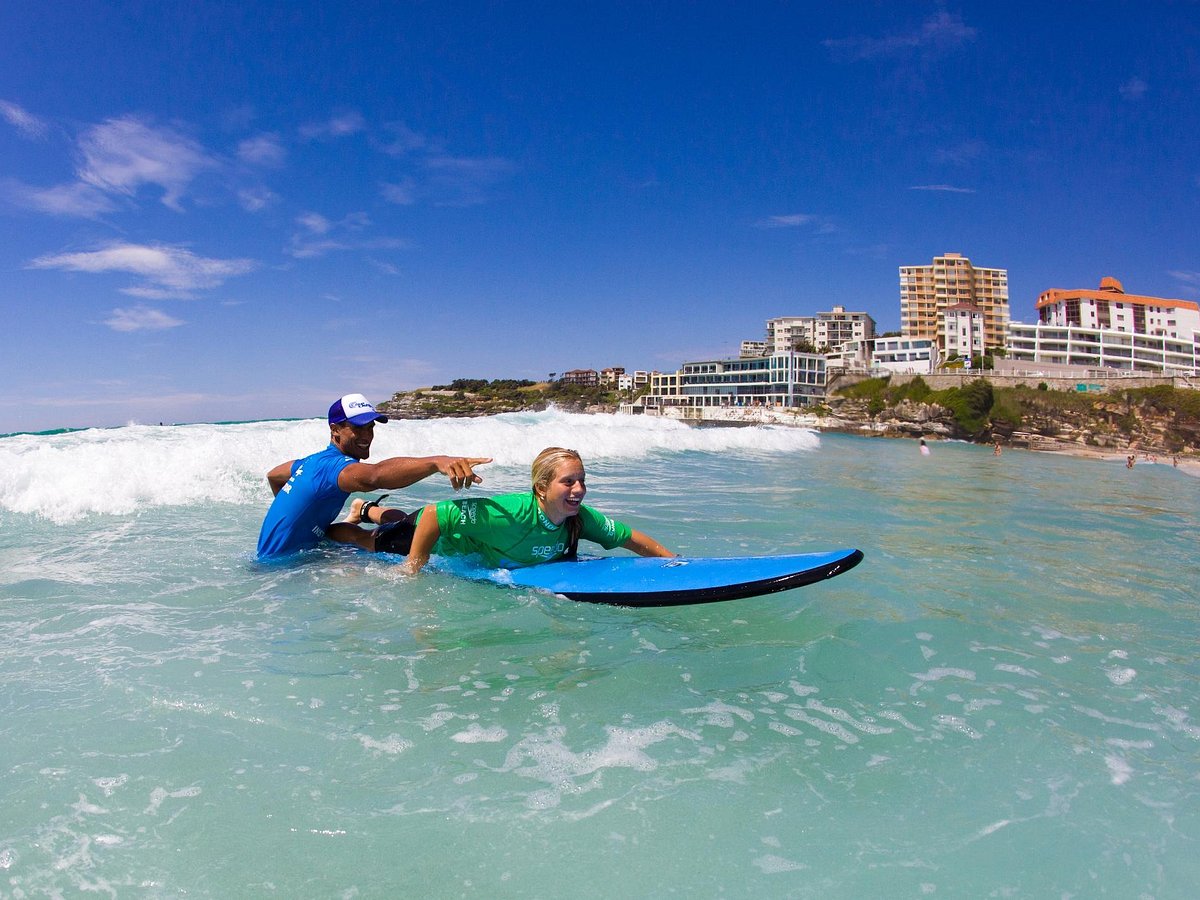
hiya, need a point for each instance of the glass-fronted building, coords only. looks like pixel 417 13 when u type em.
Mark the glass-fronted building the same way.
pixel 782 379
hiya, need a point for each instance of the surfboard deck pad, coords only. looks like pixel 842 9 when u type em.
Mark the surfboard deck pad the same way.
pixel 677 581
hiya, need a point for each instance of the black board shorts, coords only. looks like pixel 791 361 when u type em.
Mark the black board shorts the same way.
pixel 396 536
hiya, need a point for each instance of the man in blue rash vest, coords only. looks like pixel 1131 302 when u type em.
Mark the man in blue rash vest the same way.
pixel 310 492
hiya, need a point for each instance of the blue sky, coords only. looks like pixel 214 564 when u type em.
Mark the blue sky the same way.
pixel 222 211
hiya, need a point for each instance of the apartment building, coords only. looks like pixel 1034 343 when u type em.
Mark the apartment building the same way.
pixel 825 329
pixel 1108 328
pixel 1109 307
pixel 628 381
pixel 964 330
pixel 927 292
pixel 905 355
pixel 835 327
pixel 585 377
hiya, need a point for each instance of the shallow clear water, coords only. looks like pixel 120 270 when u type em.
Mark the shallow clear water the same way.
pixel 1000 701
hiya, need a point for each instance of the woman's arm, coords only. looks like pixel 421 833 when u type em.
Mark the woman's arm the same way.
pixel 644 545
pixel 424 538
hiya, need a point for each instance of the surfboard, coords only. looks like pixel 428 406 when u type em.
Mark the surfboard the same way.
pixel 656 581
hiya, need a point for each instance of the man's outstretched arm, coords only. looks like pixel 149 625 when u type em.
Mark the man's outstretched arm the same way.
pixel 401 471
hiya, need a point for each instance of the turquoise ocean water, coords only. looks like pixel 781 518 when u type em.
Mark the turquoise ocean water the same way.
pixel 1001 701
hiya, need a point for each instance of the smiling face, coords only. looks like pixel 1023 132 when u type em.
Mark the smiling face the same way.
pixel 353 440
pixel 561 496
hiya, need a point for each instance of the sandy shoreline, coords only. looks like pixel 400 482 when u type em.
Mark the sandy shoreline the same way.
pixel 735 416
pixel 1185 464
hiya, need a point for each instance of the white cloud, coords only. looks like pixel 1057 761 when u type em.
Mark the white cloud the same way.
pixel 319 235
pixel 385 267
pixel 338 126
pixel 1189 280
pixel 122 155
pixel 937 34
pixel 314 223
pixel 25 122
pixel 262 150
pixel 302 247
pixel 76 199
pixel 402 194
pixel 944 188
pixel 1134 89
pixel 306 248
pixel 141 318
pixel 257 199
pixel 794 220
pixel 166 271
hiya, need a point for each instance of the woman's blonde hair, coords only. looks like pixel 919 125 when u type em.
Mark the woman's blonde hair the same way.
pixel 547 463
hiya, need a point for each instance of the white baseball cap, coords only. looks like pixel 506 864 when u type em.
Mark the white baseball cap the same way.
pixel 355 409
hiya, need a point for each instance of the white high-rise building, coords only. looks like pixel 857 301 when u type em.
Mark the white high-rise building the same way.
pixel 825 329
pixel 1107 328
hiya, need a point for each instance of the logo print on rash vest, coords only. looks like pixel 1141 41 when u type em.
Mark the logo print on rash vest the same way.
pixel 466 511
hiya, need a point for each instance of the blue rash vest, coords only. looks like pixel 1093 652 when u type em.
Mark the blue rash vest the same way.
pixel 306 505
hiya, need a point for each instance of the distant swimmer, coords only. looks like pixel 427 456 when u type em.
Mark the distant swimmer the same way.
pixel 924 448
pixel 310 492
pixel 996 449
pixel 1129 461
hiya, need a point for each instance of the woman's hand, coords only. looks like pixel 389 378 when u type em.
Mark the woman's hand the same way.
pixel 424 537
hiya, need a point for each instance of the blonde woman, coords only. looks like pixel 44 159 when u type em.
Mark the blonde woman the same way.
pixel 525 529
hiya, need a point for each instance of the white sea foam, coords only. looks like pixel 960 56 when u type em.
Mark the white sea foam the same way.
pixel 393 744
pixel 771 864
pixel 160 795
pixel 545 757
pixel 1120 675
pixel 117 471
pixel 830 728
pixel 720 714
pixel 476 734
pixel 1119 769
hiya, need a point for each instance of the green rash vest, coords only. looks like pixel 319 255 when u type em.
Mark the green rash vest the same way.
pixel 511 530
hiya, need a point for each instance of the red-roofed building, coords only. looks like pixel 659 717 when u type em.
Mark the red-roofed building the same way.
pixel 1110 307
pixel 1108 328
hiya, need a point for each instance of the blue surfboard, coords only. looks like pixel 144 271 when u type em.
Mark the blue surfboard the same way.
pixel 655 581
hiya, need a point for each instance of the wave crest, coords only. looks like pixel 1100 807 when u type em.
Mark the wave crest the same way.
pixel 115 471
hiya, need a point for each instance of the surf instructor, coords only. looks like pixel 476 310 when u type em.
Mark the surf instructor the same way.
pixel 310 492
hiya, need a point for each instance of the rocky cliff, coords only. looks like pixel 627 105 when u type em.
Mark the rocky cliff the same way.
pixel 1102 422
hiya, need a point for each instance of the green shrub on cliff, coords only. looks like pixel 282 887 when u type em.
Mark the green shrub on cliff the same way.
pixel 970 405
pixel 867 389
pixel 875 390
pixel 1185 404
pixel 916 391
